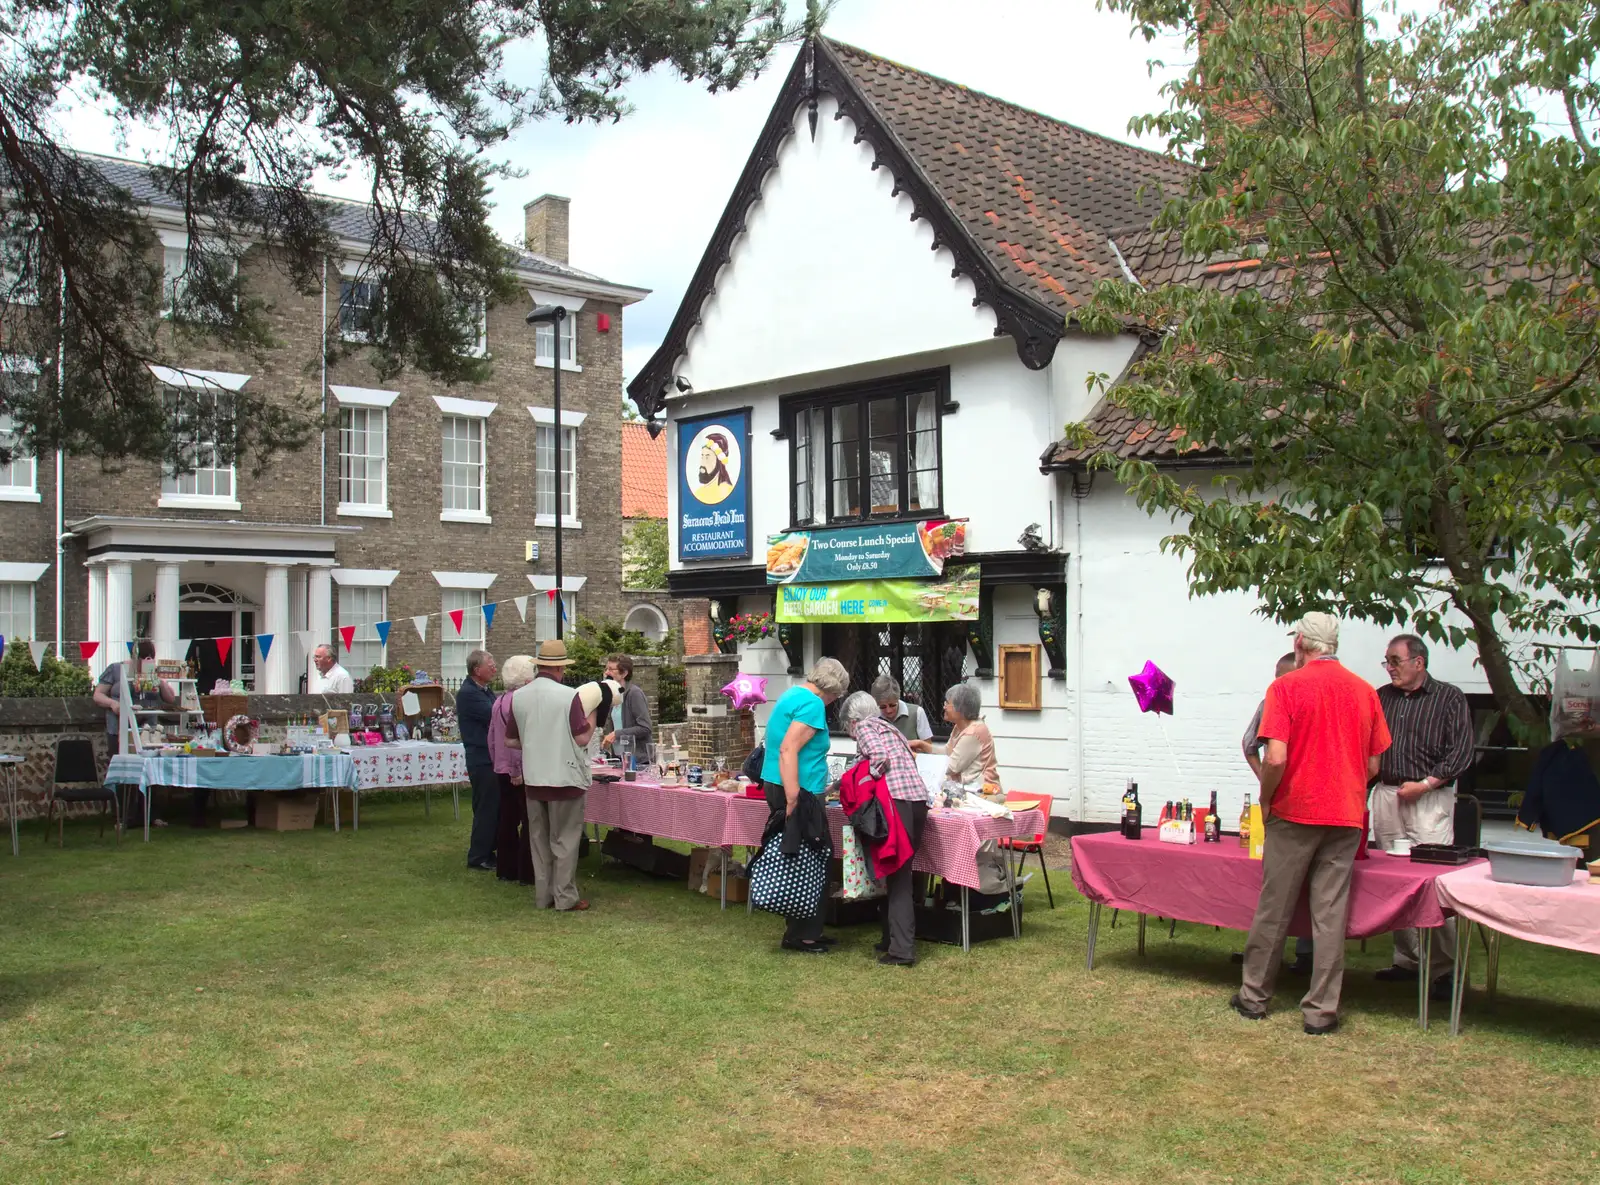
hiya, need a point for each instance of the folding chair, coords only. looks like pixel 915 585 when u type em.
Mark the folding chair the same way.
pixel 1032 845
pixel 78 771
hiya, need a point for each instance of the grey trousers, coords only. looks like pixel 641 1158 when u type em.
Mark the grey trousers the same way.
pixel 1298 856
pixel 1430 819
pixel 554 831
pixel 900 909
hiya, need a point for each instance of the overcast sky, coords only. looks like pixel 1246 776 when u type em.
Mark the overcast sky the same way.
pixel 646 192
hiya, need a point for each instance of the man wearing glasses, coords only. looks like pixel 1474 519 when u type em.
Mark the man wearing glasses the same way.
pixel 1415 795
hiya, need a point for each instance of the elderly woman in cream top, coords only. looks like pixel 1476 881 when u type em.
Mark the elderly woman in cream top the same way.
pixel 971 747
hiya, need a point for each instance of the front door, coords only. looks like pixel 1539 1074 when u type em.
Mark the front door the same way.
pixel 203 625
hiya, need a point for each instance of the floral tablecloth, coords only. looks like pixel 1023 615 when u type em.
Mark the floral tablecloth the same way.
pixel 406 764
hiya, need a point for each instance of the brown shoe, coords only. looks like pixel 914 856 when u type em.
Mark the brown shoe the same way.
pixel 578 908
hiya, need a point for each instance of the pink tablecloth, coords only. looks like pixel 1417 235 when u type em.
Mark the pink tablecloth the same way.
pixel 949 841
pixel 1567 917
pixel 1217 884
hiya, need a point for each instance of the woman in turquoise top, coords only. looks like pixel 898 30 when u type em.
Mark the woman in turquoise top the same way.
pixel 795 770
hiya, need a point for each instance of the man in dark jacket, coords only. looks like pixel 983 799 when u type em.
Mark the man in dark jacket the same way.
pixel 474 703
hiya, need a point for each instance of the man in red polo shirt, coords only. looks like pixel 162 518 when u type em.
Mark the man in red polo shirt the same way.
pixel 1324 729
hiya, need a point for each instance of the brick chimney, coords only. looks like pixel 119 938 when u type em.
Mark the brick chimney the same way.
pixel 545 222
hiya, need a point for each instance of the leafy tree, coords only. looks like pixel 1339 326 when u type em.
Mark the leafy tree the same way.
pixel 1406 380
pixel 644 554
pixel 255 100
pixel 593 641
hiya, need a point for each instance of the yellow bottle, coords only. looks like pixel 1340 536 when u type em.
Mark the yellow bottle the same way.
pixel 1258 832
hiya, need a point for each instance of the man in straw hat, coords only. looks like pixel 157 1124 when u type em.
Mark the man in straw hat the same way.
pixel 553 729
pixel 1324 730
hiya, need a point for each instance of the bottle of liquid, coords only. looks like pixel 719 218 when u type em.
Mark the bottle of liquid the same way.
pixel 1166 812
pixel 1258 832
pixel 1244 825
pixel 1213 825
pixel 1132 814
pixel 1188 811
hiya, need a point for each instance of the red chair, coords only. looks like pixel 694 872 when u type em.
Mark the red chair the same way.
pixel 1031 845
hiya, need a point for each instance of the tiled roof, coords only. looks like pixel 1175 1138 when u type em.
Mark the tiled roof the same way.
pixel 1041 197
pixel 347 220
pixel 644 473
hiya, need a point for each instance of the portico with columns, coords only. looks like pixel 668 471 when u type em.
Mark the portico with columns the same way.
pixel 173 580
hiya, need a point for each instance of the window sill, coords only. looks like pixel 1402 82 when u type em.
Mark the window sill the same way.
pixel 464 516
pixel 18 494
pixel 357 510
pixel 197 502
pixel 568 523
pixel 569 367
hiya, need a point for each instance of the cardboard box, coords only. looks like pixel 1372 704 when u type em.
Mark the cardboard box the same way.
pixel 738 888
pixel 334 722
pixel 347 807
pixel 291 811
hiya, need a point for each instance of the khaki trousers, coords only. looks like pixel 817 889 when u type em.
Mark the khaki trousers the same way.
pixel 1430 819
pixel 1298 856
pixel 555 829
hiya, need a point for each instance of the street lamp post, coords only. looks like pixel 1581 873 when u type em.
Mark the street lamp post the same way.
pixel 553 315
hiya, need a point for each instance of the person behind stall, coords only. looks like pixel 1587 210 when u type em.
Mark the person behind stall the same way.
pixel 552 730
pixel 1563 797
pixel 890 757
pixel 631 715
pixel 908 719
pixel 331 678
pixel 108 694
pixel 794 776
pixel 474 704
pixel 971 747
pixel 513 858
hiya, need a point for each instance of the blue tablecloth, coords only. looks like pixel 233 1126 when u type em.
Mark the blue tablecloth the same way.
pixel 311 771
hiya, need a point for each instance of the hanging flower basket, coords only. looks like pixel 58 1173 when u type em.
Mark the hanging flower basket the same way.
pixel 743 627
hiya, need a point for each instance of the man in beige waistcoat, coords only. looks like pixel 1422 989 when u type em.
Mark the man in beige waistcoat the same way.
pixel 553 730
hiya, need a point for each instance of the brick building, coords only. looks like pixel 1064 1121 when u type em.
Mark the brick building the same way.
pixel 417 499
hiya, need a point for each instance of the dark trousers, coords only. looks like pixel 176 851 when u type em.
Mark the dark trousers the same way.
pixel 798 929
pixel 512 856
pixel 485 813
pixel 900 908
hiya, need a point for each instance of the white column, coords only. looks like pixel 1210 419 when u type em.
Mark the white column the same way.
pixel 119 610
pixel 319 609
pixel 275 611
pixel 164 620
pixel 97 617
pixel 297 598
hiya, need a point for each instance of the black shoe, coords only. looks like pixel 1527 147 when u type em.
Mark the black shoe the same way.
pixel 805 948
pixel 482 865
pixel 1396 975
pixel 1442 990
pixel 1238 1006
pixel 1237 958
pixel 1301 967
pixel 881 947
pixel 891 961
pixel 1322 1030
pixel 826 940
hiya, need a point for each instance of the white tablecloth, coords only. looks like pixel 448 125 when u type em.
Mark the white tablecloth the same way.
pixel 406 764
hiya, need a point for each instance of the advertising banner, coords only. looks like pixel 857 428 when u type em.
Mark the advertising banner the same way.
pixel 714 486
pixel 955 598
pixel 885 551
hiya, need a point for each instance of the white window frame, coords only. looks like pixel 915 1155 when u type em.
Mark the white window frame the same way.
pixel 453 651
pixel 544 340
pixel 217 386
pixel 15 590
pixel 466 409
pixel 544 609
pixel 11 287
pixel 366 643
pixel 12 490
pixel 544 420
pixel 369 402
pixel 174 267
pixel 369 282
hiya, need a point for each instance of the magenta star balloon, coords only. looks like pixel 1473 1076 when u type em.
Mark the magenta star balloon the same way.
pixel 1152 687
pixel 746 691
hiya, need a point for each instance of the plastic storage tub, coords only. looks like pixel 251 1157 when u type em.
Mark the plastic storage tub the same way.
pixel 1532 861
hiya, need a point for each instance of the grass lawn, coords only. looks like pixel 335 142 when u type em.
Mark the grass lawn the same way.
pixel 241 1006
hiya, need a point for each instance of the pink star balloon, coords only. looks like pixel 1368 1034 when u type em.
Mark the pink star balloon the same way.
pixel 1152 687
pixel 747 691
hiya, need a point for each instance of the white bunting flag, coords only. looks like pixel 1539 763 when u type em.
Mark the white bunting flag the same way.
pixel 522 607
pixel 306 639
pixel 183 647
pixel 37 649
pixel 422 626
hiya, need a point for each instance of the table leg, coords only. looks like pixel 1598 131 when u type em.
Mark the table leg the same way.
pixel 1142 920
pixel 1424 979
pixel 1493 965
pixel 724 877
pixel 145 790
pixel 966 923
pixel 1094 931
pixel 1016 910
pixel 355 810
pixel 335 793
pixel 11 808
pixel 455 799
pixel 1458 985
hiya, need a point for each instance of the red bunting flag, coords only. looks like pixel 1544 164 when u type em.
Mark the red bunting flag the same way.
pixel 348 634
pixel 87 649
pixel 455 620
pixel 550 595
pixel 224 648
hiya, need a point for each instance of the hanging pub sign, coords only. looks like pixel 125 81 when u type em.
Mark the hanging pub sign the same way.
pixel 885 551
pixel 714 486
pixel 955 598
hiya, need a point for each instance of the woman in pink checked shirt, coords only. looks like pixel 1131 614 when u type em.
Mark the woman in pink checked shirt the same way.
pixel 513 858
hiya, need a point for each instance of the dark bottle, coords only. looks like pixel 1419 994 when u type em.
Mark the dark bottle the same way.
pixel 1213 824
pixel 1132 813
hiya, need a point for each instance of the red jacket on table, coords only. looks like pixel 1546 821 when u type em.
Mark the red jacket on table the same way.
pixel 856 789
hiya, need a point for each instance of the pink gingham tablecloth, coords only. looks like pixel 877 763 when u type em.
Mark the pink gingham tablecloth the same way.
pixel 712 819
pixel 1568 916
pixel 400 766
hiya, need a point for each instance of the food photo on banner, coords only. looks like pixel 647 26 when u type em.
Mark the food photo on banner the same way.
pixel 714 486
pixel 883 551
